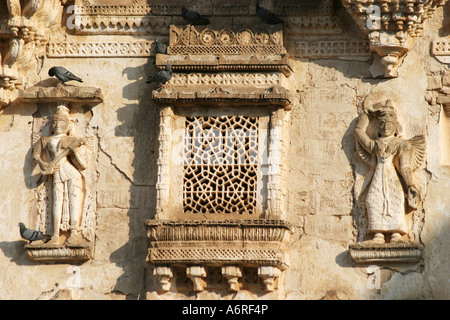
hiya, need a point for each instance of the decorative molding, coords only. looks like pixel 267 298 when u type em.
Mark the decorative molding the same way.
pixel 82 49
pixel 204 40
pixel 316 25
pixel 308 8
pixel 120 25
pixel 227 63
pixel 331 49
pixel 385 252
pixel 226 78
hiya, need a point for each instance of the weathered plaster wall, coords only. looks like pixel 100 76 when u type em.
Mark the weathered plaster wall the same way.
pixel 324 177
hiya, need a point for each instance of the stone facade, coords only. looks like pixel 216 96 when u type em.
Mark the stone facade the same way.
pixel 297 161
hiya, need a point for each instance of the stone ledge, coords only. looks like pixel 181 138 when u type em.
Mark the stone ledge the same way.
pixel 60 93
pixel 58 253
pixel 275 95
pixel 385 252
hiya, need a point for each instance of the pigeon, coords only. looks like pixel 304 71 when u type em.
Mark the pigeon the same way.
pixel 63 74
pixel 193 17
pixel 161 77
pixel 32 235
pixel 160 47
pixel 267 16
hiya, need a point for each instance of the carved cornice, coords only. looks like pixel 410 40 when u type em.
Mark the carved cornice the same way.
pixel 385 252
pixel 316 25
pixel 238 242
pixel 332 49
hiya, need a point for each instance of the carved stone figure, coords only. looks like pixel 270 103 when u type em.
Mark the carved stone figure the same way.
pixel 60 156
pixel 393 161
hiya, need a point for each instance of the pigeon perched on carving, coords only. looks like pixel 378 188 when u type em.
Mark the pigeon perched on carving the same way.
pixel 267 16
pixel 32 235
pixel 162 76
pixel 63 74
pixel 160 47
pixel 193 17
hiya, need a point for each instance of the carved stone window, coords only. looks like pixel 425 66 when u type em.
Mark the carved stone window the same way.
pixel 221 165
pixel 224 119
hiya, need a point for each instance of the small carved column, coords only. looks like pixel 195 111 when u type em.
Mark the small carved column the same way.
pixel 196 274
pixel 275 207
pixel 165 155
pixel 232 274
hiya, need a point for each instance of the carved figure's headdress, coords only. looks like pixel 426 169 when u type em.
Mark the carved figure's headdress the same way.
pixel 386 112
pixel 62 112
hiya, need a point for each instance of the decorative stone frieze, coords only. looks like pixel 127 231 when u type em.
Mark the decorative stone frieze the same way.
pixel 332 49
pixel 391 26
pixel 80 49
pixel 238 40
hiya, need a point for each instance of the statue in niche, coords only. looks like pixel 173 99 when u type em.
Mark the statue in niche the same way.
pixel 62 156
pixel 393 161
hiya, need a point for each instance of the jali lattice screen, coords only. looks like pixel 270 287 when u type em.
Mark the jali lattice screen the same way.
pixel 220 164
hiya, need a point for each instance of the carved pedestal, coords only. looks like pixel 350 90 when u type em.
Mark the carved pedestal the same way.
pixel 366 252
pixel 48 253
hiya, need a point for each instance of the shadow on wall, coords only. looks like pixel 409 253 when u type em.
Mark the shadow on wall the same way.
pixel 141 121
pixel 15 251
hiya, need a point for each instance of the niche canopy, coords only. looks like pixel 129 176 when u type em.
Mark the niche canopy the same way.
pixel 391 26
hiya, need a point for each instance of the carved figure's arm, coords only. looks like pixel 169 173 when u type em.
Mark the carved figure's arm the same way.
pixel 361 135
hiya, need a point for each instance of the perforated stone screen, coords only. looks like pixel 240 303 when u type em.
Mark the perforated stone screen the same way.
pixel 220 164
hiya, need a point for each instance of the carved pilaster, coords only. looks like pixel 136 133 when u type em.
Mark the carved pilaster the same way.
pixel 165 156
